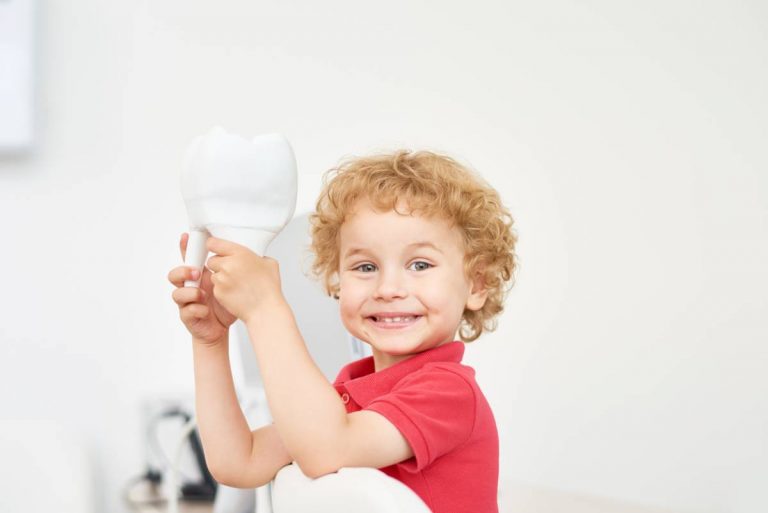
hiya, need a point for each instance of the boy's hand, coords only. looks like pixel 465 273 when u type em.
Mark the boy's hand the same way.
pixel 243 282
pixel 205 318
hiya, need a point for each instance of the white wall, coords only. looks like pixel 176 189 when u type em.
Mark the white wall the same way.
pixel 626 137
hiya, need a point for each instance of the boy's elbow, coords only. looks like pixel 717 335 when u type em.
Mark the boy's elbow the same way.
pixel 223 477
pixel 220 477
pixel 316 467
pixel 228 477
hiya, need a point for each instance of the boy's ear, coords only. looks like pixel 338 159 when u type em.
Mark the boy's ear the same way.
pixel 478 294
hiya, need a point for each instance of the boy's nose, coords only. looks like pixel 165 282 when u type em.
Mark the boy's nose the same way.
pixel 391 285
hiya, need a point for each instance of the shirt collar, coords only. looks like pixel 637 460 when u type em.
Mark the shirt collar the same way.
pixel 364 384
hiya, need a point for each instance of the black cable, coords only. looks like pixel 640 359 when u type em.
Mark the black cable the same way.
pixel 190 490
pixel 207 489
pixel 154 443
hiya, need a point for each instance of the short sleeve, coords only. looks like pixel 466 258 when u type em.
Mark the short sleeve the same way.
pixel 434 409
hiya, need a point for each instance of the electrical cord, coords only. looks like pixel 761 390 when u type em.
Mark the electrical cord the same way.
pixel 173 500
pixel 154 442
pixel 152 477
pixel 172 492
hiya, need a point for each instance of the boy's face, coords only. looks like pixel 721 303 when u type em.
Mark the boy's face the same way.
pixel 391 273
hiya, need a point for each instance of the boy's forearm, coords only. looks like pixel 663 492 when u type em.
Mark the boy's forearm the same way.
pixel 232 452
pixel 307 411
pixel 222 425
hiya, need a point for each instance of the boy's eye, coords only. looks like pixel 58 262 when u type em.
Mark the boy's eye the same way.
pixel 425 265
pixel 367 268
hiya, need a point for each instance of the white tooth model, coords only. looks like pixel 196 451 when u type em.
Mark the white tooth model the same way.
pixel 239 190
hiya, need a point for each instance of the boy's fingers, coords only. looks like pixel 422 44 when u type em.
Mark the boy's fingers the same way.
pixel 223 247
pixel 213 263
pixel 179 275
pixel 175 278
pixel 194 311
pixel 183 296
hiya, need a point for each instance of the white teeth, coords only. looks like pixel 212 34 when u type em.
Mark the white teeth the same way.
pixel 396 319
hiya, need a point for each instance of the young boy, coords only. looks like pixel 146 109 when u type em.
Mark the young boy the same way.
pixel 415 247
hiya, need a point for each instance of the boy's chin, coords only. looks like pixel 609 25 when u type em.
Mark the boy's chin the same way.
pixel 402 347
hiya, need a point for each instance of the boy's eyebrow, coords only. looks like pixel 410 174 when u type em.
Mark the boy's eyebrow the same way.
pixel 424 244
pixel 420 244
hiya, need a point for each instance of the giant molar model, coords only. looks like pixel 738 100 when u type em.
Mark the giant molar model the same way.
pixel 236 189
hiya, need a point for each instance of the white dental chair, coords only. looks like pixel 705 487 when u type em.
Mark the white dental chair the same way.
pixel 350 490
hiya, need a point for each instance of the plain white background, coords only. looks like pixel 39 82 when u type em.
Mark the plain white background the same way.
pixel 627 139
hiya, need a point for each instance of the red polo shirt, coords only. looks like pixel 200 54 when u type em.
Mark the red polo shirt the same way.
pixel 436 404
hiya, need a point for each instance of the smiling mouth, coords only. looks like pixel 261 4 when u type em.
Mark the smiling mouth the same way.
pixel 394 322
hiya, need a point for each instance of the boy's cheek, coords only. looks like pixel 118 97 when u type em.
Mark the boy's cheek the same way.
pixel 350 308
pixel 351 322
pixel 345 308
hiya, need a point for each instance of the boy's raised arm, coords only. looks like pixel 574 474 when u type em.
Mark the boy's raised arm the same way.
pixel 307 411
pixel 235 456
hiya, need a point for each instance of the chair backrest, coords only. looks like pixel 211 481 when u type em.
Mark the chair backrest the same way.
pixel 317 315
pixel 350 490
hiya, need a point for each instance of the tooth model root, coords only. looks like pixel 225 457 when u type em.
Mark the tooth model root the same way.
pixel 196 253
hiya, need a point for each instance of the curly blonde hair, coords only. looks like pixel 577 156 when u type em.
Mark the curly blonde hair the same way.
pixel 432 185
